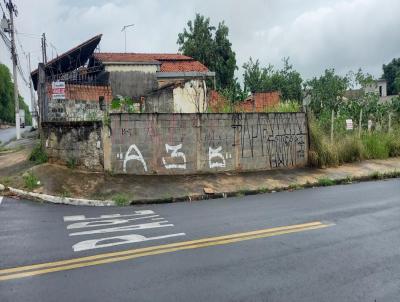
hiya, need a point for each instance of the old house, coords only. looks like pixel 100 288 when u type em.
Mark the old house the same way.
pixel 164 82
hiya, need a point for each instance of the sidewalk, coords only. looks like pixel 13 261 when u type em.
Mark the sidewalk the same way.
pixel 65 182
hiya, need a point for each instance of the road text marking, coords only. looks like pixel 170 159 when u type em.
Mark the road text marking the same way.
pixel 80 225
pixel 45 268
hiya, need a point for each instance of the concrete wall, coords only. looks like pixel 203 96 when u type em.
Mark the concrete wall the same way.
pixel 207 143
pixel 75 143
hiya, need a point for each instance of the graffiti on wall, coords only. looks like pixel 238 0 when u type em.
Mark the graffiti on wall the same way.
pixel 215 158
pixel 281 138
pixel 202 142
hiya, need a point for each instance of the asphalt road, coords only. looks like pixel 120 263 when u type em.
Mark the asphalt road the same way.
pixel 8 134
pixel 352 254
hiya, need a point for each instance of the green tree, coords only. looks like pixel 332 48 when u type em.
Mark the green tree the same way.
pixel 391 73
pixel 254 77
pixel 327 91
pixel 287 80
pixel 225 57
pixel 210 46
pixel 7 108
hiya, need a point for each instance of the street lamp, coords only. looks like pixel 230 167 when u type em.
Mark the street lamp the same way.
pixel 124 30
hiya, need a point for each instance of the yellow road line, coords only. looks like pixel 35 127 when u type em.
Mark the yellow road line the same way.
pixel 140 250
pixel 20 272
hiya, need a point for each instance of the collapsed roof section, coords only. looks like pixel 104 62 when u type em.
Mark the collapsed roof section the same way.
pixel 70 60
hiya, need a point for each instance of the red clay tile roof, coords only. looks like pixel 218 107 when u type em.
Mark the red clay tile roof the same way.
pixel 182 66
pixel 169 62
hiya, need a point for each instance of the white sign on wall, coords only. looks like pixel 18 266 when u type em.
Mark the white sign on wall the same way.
pixel 349 124
pixel 58 90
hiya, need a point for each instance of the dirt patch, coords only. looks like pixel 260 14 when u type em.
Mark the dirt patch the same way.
pixel 14 162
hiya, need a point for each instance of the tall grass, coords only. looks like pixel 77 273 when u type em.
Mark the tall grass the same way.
pixel 349 147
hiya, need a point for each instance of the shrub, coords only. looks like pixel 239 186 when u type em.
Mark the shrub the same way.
pixel 394 144
pixel 376 145
pixel 325 182
pixel 322 153
pixel 31 181
pixel 72 162
pixel 121 200
pixel 350 149
pixel 38 155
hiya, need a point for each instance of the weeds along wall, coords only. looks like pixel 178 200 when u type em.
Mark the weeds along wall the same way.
pixel 151 143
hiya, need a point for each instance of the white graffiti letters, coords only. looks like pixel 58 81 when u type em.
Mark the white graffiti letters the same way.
pixel 175 154
pixel 138 156
pixel 216 153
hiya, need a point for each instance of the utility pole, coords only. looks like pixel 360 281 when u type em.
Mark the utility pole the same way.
pixel 124 30
pixel 33 99
pixel 12 10
pixel 44 49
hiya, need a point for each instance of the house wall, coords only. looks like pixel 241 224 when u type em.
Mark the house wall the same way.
pixel 191 97
pixel 375 87
pixel 133 84
pixel 161 101
pixel 207 143
pixel 81 103
pixel 127 68
pixel 75 143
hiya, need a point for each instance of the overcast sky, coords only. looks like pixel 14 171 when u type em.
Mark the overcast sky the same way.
pixel 315 34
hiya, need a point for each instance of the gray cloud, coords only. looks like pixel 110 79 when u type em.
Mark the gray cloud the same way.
pixel 342 34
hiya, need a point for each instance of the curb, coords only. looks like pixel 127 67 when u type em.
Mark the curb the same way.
pixel 201 196
pixel 62 200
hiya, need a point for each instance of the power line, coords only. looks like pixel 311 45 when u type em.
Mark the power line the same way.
pixel 2 9
pixel 29 34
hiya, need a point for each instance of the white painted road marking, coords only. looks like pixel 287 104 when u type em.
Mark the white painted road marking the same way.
pixel 82 217
pixel 106 222
pixel 96 243
pixel 1 199
pixel 113 223
pixel 152 225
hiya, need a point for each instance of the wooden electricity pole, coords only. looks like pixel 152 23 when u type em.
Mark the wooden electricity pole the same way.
pixel 12 10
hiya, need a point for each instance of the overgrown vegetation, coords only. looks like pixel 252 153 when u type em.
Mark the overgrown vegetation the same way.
pixel 30 181
pixel 38 155
pixel 7 108
pixel 72 162
pixel 126 104
pixel 325 182
pixel 350 147
pixel 121 200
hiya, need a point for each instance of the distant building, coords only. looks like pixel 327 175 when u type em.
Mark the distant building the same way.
pixel 379 87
